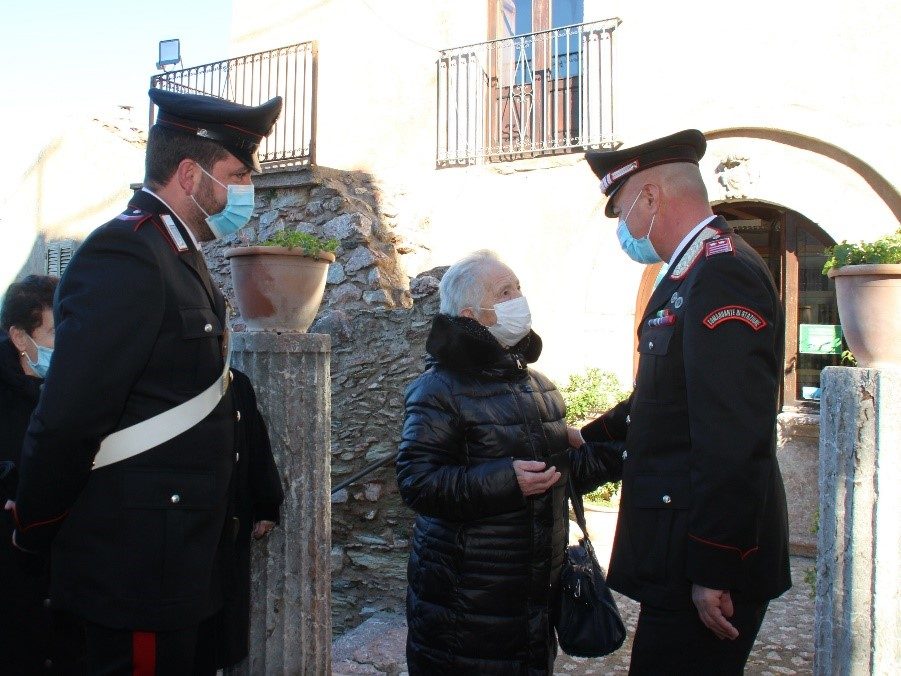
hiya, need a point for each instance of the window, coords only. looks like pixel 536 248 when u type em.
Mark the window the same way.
pixel 58 256
pixel 542 84
pixel 793 248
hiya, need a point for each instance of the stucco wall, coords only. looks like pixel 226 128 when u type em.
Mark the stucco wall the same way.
pixel 812 76
pixel 79 181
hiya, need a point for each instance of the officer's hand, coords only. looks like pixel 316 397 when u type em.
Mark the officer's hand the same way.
pixel 574 436
pixel 261 529
pixel 714 606
pixel 9 506
pixel 533 478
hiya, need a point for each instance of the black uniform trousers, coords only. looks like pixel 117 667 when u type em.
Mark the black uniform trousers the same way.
pixel 676 642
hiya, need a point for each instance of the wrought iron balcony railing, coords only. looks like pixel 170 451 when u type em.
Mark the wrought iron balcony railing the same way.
pixel 289 72
pixel 541 93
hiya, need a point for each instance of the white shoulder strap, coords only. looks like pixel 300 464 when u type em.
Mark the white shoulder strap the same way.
pixel 167 425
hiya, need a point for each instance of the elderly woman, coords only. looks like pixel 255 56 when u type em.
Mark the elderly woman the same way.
pixel 33 637
pixel 482 460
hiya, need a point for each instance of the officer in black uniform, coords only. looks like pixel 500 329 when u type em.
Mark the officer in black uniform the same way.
pixel 137 541
pixel 701 539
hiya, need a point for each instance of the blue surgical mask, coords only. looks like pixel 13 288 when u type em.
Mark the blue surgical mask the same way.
pixel 237 212
pixel 42 365
pixel 639 250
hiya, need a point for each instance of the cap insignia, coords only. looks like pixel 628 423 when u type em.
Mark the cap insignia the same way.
pixel 616 174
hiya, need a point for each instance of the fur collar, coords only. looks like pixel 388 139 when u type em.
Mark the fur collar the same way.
pixel 462 344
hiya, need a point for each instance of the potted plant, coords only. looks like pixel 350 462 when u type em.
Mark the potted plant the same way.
pixel 279 282
pixel 868 287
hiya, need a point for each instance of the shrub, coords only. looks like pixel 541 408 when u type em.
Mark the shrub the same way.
pixel 590 394
pixel 294 239
pixel 883 250
pixel 587 395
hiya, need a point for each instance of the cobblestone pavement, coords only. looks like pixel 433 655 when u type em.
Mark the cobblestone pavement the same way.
pixel 784 644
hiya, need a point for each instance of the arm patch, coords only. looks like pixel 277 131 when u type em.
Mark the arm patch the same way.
pixel 734 312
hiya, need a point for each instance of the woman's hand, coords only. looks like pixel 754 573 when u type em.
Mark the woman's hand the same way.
pixel 574 436
pixel 533 478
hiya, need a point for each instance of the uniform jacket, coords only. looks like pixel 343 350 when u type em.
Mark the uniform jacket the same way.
pixel 138 331
pixel 485 560
pixel 702 496
pixel 257 495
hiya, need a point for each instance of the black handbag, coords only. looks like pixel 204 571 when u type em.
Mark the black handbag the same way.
pixel 588 621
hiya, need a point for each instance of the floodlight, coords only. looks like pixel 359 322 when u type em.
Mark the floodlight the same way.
pixel 170 53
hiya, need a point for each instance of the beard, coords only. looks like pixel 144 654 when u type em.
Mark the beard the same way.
pixel 206 199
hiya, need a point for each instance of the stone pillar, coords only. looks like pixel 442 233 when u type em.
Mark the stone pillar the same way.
pixel 858 588
pixel 290 619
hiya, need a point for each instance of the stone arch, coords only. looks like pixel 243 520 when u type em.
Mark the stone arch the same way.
pixel 880 185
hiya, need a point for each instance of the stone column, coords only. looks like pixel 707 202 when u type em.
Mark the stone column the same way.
pixel 290 619
pixel 858 588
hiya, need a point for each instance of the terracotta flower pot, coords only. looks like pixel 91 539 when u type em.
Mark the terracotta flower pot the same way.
pixel 278 289
pixel 869 307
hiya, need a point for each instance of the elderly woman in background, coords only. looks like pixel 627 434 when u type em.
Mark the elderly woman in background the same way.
pixel 482 461
pixel 33 637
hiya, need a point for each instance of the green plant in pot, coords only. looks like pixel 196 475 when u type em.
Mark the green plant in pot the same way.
pixel 868 288
pixel 279 282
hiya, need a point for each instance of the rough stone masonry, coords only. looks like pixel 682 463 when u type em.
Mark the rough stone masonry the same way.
pixel 378 319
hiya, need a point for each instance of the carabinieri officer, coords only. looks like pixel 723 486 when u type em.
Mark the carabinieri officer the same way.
pixel 127 461
pixel 701 537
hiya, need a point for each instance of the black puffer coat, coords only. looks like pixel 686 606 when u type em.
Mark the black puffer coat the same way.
pixel 485 561
pixel 31 632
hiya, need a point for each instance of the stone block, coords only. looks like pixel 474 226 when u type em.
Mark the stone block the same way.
pixel 359 259
pixel 335 274
pixel 858 593
pixel 798 443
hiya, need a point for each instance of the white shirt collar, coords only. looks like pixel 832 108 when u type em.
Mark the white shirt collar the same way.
pixel 690 236
pixel 190 234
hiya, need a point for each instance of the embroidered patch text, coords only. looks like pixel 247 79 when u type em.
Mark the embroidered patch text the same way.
pixel 737 313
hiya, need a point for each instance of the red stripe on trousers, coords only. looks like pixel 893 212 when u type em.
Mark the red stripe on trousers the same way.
pixel 143 653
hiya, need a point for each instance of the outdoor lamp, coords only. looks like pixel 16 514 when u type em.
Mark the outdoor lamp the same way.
pixel 170 53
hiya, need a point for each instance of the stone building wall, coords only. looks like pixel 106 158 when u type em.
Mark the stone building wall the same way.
pixel 378 319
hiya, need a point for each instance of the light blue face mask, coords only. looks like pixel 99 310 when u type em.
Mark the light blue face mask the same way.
pixel 42 365
pixel 639 250
pixel 237 212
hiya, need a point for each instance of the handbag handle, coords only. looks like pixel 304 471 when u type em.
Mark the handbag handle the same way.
pixel 576 499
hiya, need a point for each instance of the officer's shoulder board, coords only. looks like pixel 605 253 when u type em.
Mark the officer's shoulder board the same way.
pixel 700 248
pixel 165 224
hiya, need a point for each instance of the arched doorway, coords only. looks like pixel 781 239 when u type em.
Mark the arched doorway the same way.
pixel 794 248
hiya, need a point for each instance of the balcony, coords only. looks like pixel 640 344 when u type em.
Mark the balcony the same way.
pixel 289 72
pixel 542 93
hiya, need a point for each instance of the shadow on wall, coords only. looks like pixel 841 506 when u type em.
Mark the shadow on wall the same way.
pixel 378 319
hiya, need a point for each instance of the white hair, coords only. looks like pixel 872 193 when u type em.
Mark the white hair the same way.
pixel 462 285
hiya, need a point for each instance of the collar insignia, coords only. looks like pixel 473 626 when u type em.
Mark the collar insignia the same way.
pixel 177 239
pixel 693 253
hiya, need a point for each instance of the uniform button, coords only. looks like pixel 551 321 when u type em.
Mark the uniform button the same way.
pixel 208 328
pixel 628 419
pixel 48 663
pixel 625 454
pixel 175 499
pixel 237 416
pixel 651 344
pixel 237 457
pixel 47 603
pixel 666 499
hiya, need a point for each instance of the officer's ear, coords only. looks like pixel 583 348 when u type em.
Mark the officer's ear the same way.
pixel 650 197
pixel 188 175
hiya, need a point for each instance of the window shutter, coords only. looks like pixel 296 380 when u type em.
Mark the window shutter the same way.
pixel 58 256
